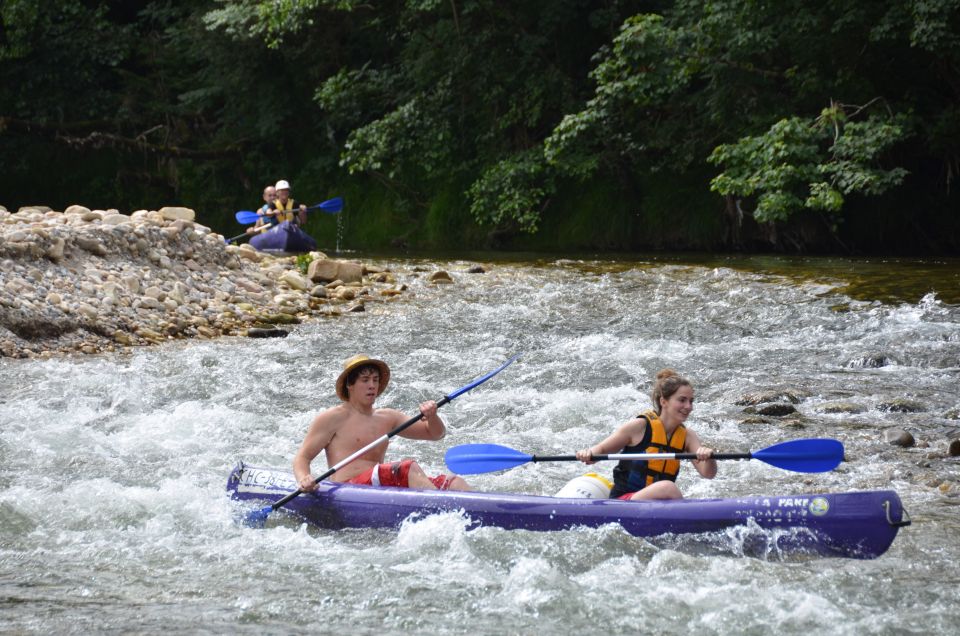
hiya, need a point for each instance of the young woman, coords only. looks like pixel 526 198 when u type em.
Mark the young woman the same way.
pixel 661 430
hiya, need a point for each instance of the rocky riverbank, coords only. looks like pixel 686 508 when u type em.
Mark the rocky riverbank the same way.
pixel 92 281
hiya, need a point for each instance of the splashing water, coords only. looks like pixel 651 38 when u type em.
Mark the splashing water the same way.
pixel 113 515
pixel 340 226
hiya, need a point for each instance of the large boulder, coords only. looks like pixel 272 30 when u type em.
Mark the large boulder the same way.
pixel 77 209
pixel 295 280
pixel 327 270
pixel 172 213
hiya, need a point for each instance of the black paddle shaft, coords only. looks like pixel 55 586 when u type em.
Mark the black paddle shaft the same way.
pixel 413 420
pixel 599 458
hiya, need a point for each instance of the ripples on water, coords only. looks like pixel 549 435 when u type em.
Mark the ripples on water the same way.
pixel 113 515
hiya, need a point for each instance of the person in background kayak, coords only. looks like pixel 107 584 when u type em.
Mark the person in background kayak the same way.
pixel 284 207
pixel 269 195
pixel 661 430
pixel 346 428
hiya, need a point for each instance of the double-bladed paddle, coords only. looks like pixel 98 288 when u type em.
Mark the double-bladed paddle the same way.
pixel 332 206
pixel 799 455
pixel 258 517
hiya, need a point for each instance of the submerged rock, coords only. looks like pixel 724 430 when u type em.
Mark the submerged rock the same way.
pixel 440 278
pixel 791 395
pixel 776 409
pixel 874 361
pixel 271 332
pixel 901 405
pixel 847 408
pixel 899 437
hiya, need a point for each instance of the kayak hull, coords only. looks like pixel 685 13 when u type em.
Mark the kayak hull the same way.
pixel 285 238
pixel 855 525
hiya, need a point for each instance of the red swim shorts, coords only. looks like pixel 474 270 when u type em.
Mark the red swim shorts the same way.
pixel 627 496
pixel 395 474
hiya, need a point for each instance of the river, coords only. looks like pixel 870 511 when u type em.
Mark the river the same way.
pixel 113 516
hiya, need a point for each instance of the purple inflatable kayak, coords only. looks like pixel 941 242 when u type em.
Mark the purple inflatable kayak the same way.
pixel 855 524
pixel 285 238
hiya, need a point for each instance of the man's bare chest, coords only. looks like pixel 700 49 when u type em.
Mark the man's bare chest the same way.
pixel 358 432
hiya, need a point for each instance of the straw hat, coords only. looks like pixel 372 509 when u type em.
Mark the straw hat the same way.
pixel 353 363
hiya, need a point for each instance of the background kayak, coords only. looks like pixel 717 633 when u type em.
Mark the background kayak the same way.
pixel 285 238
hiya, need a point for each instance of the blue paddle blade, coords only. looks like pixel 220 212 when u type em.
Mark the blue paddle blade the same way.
pixel 471 459
pixel 803 455
pixel 246 217
pixel 332 206
pixel 258 518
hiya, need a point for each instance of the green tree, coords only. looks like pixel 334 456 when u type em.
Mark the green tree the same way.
pixel 674 86
pixel 139 103
pixel 812 165
pixel 434 93
pixel 793 111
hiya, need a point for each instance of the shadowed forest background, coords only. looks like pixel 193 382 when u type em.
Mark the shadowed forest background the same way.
pixel 796 126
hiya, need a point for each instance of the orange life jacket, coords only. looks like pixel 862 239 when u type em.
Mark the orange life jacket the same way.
pixel 633 475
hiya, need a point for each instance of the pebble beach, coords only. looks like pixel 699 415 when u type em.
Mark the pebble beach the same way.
pixel 92 281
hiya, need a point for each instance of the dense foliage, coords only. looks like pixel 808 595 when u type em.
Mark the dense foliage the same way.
pixel 574 123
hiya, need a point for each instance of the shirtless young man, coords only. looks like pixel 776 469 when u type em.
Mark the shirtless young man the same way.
pixel 344 429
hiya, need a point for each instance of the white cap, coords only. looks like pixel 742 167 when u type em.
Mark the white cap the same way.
pixel 282 185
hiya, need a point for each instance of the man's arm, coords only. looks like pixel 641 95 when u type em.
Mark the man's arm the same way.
pixel 430 427
pixel 322 430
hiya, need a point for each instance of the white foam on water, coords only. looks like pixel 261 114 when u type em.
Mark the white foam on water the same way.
pixel 114 517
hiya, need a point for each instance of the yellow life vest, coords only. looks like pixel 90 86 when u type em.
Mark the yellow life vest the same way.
pixel 284 212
